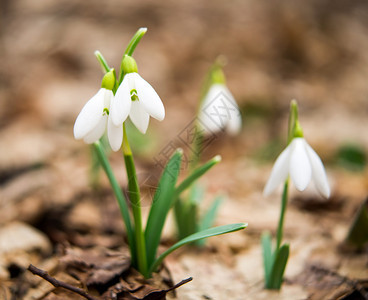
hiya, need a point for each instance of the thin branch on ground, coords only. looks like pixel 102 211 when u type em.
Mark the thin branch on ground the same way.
pixel 184 281
pixel 57 283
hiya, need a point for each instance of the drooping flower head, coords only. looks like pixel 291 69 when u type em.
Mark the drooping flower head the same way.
pixel 135 98
pixel 91 122
pixel 219 110
pixel 303 165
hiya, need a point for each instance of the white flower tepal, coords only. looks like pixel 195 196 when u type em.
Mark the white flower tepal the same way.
pixel 219 111
pixel 137 98
pixel 91 122
pixel 303 164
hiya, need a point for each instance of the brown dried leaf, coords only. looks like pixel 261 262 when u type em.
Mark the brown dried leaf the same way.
pixel 140 289
pixel 96 266
pixel 323 283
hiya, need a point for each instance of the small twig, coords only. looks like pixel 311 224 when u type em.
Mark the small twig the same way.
pixel 184 281
pixel 57 283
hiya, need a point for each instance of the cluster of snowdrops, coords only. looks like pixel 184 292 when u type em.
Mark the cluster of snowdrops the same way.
pixel 126 94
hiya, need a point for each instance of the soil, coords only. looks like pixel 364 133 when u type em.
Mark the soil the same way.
pixel 313 51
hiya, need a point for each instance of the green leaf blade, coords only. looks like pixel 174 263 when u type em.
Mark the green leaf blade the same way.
pixel 198 236
pixel 267 255
pixel 278 268
pixel 162 202
pixel 186 217
pixel 124 210
pixel 197 173
pixel 209 218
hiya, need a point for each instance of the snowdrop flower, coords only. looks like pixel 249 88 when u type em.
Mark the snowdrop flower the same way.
pixel 91 122
pixel 135 98
pixel 303 164
pixel 219 111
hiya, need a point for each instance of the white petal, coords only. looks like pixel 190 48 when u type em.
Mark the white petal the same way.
pixel 97 132
pixel 120 105
pixel 90 115
pixel 149 99
pixel 300 166
pixel 233 126
pixel 318 172
pixel 109 95
pixel 139 117
pixel 279 172
pixel 207 124
pixel 115 135
pixel 219 110
pixel 210 116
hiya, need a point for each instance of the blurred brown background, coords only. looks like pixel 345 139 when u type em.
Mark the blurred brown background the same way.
pixel 314 51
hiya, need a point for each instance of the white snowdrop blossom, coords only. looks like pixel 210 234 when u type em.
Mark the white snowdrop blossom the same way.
pixel 91 122
pixel 137 99
pixel 303 164
pixel 219 111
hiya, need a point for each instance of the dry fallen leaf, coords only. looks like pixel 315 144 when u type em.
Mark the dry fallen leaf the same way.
pixel 96 266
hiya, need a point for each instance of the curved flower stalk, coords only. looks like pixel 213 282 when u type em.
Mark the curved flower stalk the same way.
pixel 135 98
pixel 303 164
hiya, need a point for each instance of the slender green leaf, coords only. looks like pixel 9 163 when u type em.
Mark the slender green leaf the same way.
pixel 198 172
pixel 278 267
pixel 162 202
pixel 196 193
pixel 267 255
pixel 186 214
pixel 191 221
pixel 197 236
pixel 119 196
pixel 179 217
pixel 209 218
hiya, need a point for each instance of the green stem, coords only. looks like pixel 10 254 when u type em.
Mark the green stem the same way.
pixel 135 40
pixel 293 119
pixel 119 196
pixel 134 196
pixel 216 68
pixel 130 49
pixel 280 227
pixel 196 154
pixel 102 61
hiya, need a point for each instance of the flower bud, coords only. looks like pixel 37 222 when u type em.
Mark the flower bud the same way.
pixel 129 65
pixel 108 81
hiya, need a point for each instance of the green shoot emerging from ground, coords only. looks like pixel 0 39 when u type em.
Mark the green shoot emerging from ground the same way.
pixel 217 112
pixel 299 162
